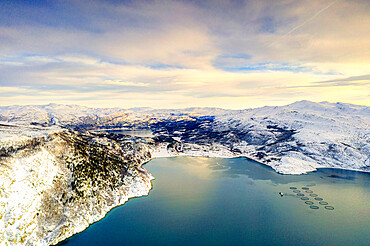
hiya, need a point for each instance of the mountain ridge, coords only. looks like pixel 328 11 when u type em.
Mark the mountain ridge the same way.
pixel 292 139
pixel 52 110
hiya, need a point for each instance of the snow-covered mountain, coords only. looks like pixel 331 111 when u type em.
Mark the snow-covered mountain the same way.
pixel 63 167
pixel 58 114
pixel 53 113
pixel 303 135
pixel 292 139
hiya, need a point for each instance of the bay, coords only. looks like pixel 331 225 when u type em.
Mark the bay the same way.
pixel 211 201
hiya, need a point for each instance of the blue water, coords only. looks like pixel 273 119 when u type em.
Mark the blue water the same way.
pixel 209 201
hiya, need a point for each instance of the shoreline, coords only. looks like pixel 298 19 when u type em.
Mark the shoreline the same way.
pixel 187 156
pixel 139 182
pixel 250 159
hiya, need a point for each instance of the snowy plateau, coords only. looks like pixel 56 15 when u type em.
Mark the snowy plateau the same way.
pixel 64 167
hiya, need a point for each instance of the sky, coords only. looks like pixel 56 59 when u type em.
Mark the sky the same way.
pixel 186 53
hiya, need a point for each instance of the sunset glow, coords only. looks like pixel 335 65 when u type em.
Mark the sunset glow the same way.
pixel 176 54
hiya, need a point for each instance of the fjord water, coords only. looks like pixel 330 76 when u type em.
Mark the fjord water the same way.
pixel 209 201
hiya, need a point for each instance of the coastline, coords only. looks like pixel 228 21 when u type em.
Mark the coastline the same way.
pixel 57 223
pixel 179 156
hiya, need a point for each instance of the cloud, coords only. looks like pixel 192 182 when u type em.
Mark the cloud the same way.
pixel 361 81
pixel 193 34
pixel 190 53
pixel 365 77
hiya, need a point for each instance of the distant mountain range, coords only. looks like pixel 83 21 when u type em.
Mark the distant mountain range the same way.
pixel 58 114
pixel 292 139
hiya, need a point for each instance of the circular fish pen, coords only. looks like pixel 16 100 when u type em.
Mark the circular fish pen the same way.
pixel 329 207
pixel 314 207
pixel 308 202
pixel 323 203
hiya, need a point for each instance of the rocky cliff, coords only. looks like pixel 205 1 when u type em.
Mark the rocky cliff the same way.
pixel 55 183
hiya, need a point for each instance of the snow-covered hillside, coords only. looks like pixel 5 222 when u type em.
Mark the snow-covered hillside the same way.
pixel 53 113
pixel 303 135
pixel 55 183
pixel 72 115
pixel 292 139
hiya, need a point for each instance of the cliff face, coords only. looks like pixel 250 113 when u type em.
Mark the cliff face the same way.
pixel 54 184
